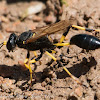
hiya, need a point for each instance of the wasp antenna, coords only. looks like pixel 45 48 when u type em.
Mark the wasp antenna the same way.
pixel 3 43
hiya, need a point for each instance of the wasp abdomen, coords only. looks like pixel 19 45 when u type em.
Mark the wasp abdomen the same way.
pixel 85 41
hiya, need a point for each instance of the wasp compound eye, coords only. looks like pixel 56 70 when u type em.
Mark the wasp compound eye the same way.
pixel 11 44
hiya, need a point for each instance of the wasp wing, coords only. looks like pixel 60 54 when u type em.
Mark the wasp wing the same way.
pixel 58 27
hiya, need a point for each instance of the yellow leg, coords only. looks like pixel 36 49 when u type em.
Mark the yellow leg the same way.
pixel 35 53
pixel 73 77
pixel 86 29
pixel 49 38
pixel 64 34
pixel 5 42
pixel 51 55
pixel 62 38
pixel 30 73
pixel 28 67
pixel 53 51
pixel 97 30
pixel 75 26
pixel 25 61
pixel 78 27
pixel 32 61
pixel 61 44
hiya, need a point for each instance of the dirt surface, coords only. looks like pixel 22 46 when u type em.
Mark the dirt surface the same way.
pixel 52 82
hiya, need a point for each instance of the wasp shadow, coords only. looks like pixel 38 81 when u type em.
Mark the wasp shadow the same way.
pixel 13 72
pixel 78 69
pixel 18 74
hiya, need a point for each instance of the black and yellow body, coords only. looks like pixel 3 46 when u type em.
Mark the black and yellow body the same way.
pixel 38 40
pixel 41 43
pixel 84 41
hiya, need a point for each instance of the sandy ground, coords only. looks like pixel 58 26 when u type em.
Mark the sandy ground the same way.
pixel 52 83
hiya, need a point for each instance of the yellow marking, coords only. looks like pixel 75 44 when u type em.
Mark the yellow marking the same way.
pixel 49 38
pixel 23 42
pixel 73 77
pixel 26 66
pixel 82 28
pixel 61 44
pixel 35 53
pixel 5 42
pixel 30 70
pixel 78 27
pixel 97 30
pixel 33 34
pixel 32 61
pixel 62 38
pixel 67 71
pixel 53 51
pixel 26 60
pixel 30 73
pixel 51 56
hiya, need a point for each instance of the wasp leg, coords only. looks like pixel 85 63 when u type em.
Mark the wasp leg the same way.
pixel 35 53
pixel 30 62
pixel 51 55
pixel 61 44
pixel 55 59
pixel 34 60
pixel 27 59
pixel 51 51
pixel 86 29
pixel 73 77
pixel 78 27
pixel 49 38
pixel 64 34
pixel 28 66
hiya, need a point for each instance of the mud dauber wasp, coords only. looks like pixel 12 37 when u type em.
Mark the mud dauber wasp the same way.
pixel 37 39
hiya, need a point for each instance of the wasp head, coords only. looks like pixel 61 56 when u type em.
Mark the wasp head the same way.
pixel 11 44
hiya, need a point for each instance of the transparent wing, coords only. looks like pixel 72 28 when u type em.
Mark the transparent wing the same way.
pixel 59 27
